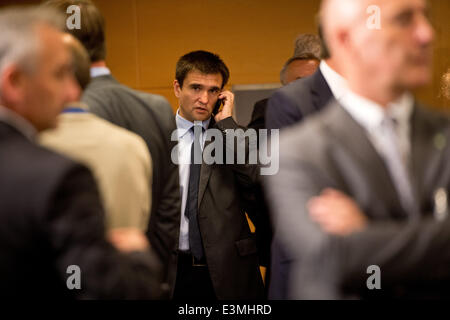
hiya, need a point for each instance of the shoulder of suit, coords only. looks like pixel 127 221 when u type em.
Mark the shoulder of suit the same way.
pixel 116 135
pixel 298 87
pixel 157 102
pixel 312 131
pixel 34 165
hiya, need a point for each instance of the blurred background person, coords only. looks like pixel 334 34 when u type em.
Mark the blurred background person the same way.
pixel 297 67
pixel 303 64
pixel 307 43
pixel 149 116
pixel 292 103
pixel 118 158
pixel 51 217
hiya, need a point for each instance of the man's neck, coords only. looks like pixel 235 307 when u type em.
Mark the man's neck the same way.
pixel 333 65
pixel 382 97
pixel 98 64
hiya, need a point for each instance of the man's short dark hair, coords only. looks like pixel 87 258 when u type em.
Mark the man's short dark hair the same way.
pixel 203 62
pixel 92 26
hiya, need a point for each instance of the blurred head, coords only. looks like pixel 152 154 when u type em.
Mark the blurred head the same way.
pixel 92 26
pixel 298 67
pixel 36 77
pixel 80 60
pixel 308 44
pixel 199 78
pixel 380 62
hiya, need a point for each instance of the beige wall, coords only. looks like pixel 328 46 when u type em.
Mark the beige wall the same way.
pixel 254 37
pixel 440 13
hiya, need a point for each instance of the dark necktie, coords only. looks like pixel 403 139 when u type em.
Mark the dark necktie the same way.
pixel 195 239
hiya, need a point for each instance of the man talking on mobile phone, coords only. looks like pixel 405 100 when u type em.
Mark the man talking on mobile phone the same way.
pixel 218 255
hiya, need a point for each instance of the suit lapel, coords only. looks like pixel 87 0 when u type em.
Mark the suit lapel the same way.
pixel 353 138
pixel 320 90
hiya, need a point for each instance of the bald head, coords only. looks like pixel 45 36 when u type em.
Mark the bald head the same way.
pixel 80 59
pixel 395 51
pixel 342 13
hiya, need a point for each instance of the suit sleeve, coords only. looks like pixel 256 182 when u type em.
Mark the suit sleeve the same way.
pixel 250 193
pixel 164 228
pixel 77 237
pixel 258 115
pixel 282 111
pixel 247 173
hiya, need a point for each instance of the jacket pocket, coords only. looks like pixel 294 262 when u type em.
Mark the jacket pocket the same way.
pixel 246 247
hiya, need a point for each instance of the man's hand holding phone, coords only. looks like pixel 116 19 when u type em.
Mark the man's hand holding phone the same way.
pixel 226 110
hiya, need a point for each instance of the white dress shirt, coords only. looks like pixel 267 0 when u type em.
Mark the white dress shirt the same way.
pixel 335 81
pixel 99 71
pixel 185 140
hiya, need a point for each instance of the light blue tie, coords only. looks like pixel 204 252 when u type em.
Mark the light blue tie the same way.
pixel 397 165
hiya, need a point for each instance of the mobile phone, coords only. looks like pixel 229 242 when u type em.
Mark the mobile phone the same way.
pixel 217 106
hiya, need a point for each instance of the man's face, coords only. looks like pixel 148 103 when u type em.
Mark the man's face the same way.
pixel 399 54
pixel 52 85
pixel 299 69
pixel 198 95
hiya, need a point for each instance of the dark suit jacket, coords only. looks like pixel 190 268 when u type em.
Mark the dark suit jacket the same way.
pixel 291 103
pixel 51 218
pixel 410 251
pixel 225 191
pixel 151 117
pixel 259 210
pixel 288 106
pixel 258 120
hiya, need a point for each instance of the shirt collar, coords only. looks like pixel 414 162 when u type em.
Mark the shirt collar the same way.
pixel 184 125
pixel 18 122
pixel 99 71
pixel 370 114
pixel 336 82
pixel 76 107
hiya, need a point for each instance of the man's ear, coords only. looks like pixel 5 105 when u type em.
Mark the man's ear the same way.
pixel 12 82
pixel 176 88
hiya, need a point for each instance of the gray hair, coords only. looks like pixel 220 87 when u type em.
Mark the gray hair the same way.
pixel 19 43
pixel 308 44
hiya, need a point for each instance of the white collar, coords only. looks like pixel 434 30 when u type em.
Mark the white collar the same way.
pixel 335 81
pixel 184 125
pixel 99 71
pixel 370 114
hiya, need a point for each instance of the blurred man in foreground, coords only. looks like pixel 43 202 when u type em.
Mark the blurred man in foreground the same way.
pixel 51 218
pixel 385 156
